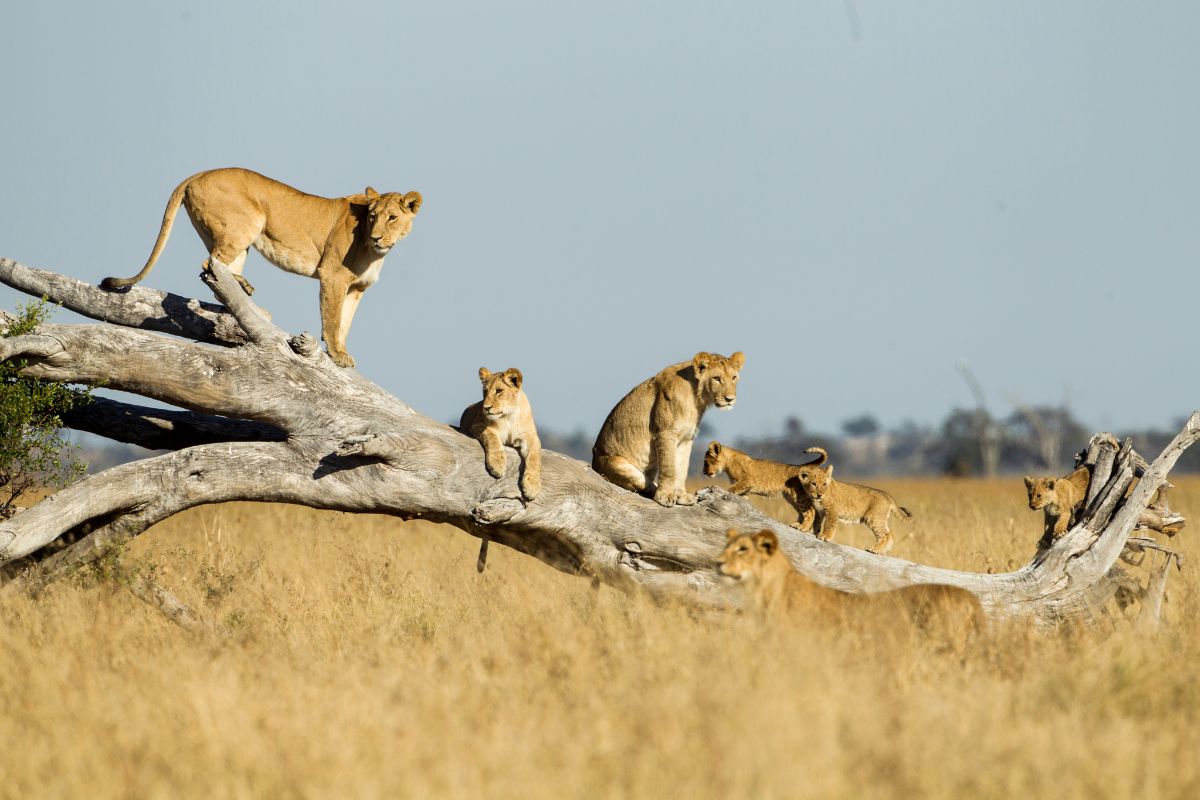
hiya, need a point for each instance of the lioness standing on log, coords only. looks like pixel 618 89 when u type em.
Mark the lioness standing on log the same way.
pixel 646 441
pixel 339 241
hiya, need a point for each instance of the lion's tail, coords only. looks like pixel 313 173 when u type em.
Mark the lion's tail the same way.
pixel 822 456
pixel 163 233
pixel 904 512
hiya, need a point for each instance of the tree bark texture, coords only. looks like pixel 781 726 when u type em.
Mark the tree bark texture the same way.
pixel 270 417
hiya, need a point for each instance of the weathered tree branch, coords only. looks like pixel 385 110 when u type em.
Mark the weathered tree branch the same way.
pixel 164 429
pixel 294 428
pixel 139 307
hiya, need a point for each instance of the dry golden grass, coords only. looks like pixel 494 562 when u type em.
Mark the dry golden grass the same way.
pixel 364 657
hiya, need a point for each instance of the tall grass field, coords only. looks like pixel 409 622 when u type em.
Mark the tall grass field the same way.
pixel 360 656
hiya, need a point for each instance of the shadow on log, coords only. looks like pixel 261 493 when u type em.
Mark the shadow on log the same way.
pixel 271 418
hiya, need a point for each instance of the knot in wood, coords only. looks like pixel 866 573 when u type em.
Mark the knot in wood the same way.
pixel 305 344
pixel 497 510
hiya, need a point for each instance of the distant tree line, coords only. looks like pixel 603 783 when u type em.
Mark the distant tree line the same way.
pixel 968 442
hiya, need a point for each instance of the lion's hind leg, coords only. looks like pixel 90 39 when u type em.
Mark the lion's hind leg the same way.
pixel 235 265
pixel 622 472
pixel 883 536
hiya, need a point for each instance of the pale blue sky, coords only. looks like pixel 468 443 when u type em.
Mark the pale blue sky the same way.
pixel 987 182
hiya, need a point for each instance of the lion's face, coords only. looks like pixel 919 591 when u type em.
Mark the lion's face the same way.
pixel 746 555
pixel 501 391
pixel 815 481
pixel 714 459
pixel 1041 492
pixel 390 217
pixel 740 560
pixel 718 377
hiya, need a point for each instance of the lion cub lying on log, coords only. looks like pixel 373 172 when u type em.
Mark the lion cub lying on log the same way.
pixel 646 441
pixel 339 241
pixel 504 417
pixel 759 476
pixel 776 589
pixel 837 501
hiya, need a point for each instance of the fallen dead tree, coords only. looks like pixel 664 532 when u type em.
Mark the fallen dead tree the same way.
pixel 270 417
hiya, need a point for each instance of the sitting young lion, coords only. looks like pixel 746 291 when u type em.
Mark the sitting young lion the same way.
pixel 339 241
pixel 751 475
pixel 776 589
pixel 1058 498
pixel 504 417
pixel 646 441
pixel 837 501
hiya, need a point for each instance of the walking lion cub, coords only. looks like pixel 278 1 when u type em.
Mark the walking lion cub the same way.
pixel 776 589
pixel 1058 498
pixel 504 417
pixel 749 475
pixel 836 502
pixel 646 441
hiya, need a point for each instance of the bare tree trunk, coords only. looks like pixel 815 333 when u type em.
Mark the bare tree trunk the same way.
pixel 270 417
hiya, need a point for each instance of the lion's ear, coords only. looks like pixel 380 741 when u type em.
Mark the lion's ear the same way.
pixel 412 202
pixel 738 359
pixel 714 447
pixel 1028 482
pixel 1050 484
pixel 766 542
pixel 371 194
pixel 484 374
pixel 829 470
pixel 700 362
pixel 732 533
pixel 514 377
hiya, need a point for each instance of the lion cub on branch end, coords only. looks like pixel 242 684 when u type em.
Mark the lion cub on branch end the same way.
pixel 646 441
pixel 776 589
pixel 836 502
pixel 1058 498
pixel 504 417
pixel 759 476
pixel 340 241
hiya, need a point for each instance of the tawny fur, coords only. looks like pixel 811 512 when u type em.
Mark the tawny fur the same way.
pixel 749 475
pixel 504 417
pixel 1058 498
pixel 836 502
pixel 776 590
pixel 339 241
pixel 646 441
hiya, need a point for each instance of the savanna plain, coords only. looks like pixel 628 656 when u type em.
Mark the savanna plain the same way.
pixel 361 656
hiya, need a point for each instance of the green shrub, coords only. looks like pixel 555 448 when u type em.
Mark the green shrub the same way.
pixel 34 451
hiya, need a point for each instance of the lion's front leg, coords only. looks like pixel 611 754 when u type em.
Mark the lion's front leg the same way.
pixel 493 453
pixel 666 452
pixel 333 300
pixel 826 523
pixel 335 281
pixel 531 469
pixel 806 520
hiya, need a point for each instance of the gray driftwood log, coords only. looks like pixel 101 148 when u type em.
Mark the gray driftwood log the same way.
pixel 270 417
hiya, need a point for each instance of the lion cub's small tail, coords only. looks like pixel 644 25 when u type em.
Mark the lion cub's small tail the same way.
pixel 904 512
pixel 822 456
pixel 163 233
